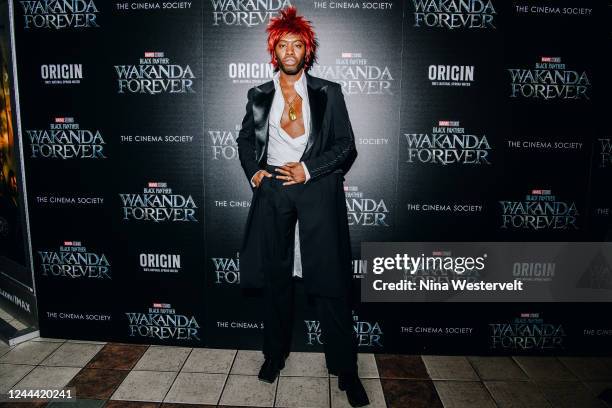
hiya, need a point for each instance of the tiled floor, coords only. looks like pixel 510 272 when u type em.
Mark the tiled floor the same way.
pixel 139 376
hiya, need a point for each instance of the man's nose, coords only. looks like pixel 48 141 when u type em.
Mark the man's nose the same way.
pixel 289 49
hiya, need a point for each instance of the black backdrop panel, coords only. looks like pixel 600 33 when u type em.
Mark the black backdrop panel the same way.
pixel 463 113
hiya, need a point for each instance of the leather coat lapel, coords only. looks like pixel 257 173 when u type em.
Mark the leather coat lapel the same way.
pixel 261 109
pixel 316 113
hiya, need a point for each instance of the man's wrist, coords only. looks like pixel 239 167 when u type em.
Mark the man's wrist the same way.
pixel 252 178
pixel 306 173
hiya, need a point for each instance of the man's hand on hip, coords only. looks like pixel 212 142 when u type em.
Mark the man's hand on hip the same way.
pixel 292 173
pixel 258 177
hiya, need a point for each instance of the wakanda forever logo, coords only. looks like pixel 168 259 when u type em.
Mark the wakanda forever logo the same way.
pixel 59 14
pixel 248 13
pixel 454 14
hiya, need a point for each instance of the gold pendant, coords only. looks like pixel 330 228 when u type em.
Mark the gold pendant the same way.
pixel 292 114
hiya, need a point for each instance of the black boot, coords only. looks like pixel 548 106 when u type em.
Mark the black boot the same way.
pixel 270 369
pixel 355 393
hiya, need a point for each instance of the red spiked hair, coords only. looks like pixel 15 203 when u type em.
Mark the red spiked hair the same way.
pixel 288 22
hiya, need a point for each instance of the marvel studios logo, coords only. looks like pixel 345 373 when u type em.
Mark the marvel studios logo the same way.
pixel 447 123
pixel 540 192
pixel 550 59
pixel 153 54
pixel 154 184
pixel 64 120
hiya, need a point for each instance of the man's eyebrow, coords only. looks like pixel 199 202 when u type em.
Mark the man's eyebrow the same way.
pixel 291 41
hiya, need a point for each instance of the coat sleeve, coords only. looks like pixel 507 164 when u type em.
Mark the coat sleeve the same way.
pixel 246 140
pixel 342 146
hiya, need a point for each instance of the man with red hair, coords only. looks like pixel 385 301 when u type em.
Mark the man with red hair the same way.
pixel 295 145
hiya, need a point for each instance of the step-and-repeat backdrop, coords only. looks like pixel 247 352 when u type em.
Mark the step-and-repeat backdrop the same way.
pixel 475 120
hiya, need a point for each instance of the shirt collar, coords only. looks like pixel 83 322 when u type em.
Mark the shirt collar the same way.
pixel 300 85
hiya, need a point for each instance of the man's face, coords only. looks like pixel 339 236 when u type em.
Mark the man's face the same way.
pixel 290 53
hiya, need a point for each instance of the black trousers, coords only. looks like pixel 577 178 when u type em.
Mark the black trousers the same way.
pixel 334 313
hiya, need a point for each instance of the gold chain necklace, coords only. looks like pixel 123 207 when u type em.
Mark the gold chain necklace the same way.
pixel 292 114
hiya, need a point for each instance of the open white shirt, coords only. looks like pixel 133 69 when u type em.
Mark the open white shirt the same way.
pixel 283 148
